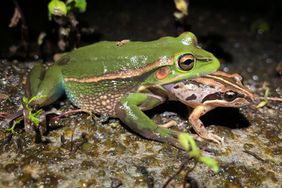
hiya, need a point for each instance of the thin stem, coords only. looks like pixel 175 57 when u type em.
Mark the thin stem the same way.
pixel 272 98
pixel 24 28
pixel 187 173
pixel 182 166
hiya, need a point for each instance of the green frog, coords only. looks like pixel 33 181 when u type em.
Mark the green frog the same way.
pixel 123 79
pixel 207 92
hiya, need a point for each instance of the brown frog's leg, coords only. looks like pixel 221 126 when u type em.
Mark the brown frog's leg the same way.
pixel 198 125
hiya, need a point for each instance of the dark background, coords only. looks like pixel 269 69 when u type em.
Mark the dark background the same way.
pixel 136 19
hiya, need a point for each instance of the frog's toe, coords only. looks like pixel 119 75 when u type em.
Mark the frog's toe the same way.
pixel 169 124
pixel 213 137
pixel 171 138
pixel 174 142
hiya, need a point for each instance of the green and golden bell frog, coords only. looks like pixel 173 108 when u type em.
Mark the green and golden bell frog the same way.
pixel 122 79
pixel 205 93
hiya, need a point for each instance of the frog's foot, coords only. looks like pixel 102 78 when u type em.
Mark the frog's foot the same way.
pixel 213 137
pixel 204 133
pixel 208 135
pixel 199 127
pixel 169 124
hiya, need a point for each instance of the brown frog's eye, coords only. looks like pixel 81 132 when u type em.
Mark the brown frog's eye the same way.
pixel 186 62
pixel 230 95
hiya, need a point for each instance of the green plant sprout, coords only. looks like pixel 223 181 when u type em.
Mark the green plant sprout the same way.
pixel 61 8
pixel 12 128
pixel 63 13
pixel 182 9
pixel 265 97
pixel 189 144
pixel 32 116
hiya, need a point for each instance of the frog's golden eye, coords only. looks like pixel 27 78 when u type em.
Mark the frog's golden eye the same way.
pixel 186 62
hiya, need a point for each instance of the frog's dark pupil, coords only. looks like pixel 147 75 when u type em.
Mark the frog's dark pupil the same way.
pixel 186 62
pixel 229 95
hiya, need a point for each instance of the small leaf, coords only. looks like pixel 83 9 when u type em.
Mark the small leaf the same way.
pixel 265 97
pixel 210 163
pixel 57 8
pixel 40 38
pixel 262 104
pixel 80 5
pixel 35 120
pixel 38 113
pixel 25 100
pixel 188 142
pixel 12 128
pixel 182 6
pixel 34 98
pixel 182 138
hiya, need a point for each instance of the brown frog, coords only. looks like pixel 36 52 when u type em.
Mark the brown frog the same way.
pixel 205 93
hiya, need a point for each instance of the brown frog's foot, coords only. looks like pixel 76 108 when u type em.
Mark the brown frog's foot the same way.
pixel 212 137
pixel 169 124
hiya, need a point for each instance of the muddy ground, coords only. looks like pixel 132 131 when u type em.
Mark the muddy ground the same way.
pixel 79 151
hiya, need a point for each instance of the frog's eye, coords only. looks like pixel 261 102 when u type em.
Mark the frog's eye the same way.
pixel 186 62
pixel 229 96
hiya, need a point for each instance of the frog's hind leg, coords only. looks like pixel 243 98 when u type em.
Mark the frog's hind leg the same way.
pixel 128 110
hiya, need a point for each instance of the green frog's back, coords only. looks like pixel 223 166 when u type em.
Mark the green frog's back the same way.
pixel 108 57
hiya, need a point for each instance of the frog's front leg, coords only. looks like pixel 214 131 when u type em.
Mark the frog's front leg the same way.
pixel 198 125
pixel 129 111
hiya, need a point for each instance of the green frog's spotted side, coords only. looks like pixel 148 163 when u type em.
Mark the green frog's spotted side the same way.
pixel 123 79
